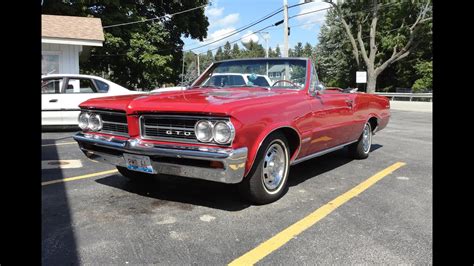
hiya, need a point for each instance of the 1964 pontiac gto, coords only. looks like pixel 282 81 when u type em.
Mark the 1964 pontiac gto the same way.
pixel 241 122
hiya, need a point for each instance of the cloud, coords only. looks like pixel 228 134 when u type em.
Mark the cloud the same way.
pixel 249 36
pixel 218 34
pixel 214 11
pixel 228 20
pixel 312 18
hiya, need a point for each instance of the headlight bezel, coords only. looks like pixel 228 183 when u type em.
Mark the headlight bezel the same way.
pixel 212 130
pixel 212 123
pixel 231 128
pixel 99 119
pixel 90 125
pixel 86 127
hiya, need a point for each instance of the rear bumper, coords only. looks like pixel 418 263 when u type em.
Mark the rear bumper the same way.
pixel 193 162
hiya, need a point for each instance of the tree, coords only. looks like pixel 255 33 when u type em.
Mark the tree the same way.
pixel 425 82
pixel 219 54
pixel 253 50
pixel 227 51
pixel 335 64
pixel 235 53
pixel 277 51
pixel 143 54
pixel 298 51
pixel 401 43
pixel 307 50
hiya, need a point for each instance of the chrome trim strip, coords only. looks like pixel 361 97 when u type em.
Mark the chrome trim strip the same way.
pixel 177 128
pixel 319 153
pixel 115 123
pixel 116 133
pixel 110 112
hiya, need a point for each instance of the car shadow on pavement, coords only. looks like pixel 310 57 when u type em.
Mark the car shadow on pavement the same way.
pixel 58 242
pixel 319 165
pixel 182 192
pixel 186 192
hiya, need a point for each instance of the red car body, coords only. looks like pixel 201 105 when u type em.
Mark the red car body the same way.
pixel 313 123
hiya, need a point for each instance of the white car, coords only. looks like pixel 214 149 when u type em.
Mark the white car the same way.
pixel 238 79
pixel 61 95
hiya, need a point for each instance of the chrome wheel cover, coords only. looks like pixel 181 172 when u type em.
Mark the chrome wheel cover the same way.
pixel 366 138
pixel 274 168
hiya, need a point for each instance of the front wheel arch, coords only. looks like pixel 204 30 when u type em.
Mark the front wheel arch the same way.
pixel 292 135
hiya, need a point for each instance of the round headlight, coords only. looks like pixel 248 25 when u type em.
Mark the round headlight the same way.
pixel 83 120
pixel 203 131
pixel 223 132
pixel 95 122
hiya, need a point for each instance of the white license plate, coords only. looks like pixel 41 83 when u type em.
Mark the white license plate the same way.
pixel 138 163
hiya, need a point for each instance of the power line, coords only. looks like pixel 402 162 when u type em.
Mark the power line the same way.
pixel 278 9
pixel 237 31
pixel 151 19
pixel 271 14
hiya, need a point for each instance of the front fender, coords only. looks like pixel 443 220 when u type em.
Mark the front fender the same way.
pixel 252 137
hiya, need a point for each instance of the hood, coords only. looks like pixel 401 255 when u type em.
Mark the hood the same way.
pixel 216 101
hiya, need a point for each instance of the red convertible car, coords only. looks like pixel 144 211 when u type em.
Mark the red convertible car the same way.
pixel 236 129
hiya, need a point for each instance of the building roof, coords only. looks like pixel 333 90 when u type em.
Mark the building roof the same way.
pixel 72 30
pixel 277 68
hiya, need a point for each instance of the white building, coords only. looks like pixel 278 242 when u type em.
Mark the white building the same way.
pixel 63 38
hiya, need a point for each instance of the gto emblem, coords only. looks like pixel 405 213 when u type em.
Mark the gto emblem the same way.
pixel 178 133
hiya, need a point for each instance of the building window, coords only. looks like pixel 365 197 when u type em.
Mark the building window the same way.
pixel 50 64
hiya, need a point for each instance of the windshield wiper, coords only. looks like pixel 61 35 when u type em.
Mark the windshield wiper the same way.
pixel 206 86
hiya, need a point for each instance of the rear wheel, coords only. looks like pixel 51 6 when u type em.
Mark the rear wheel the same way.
pixel 267 180
pixel 134 175
pixel 361 148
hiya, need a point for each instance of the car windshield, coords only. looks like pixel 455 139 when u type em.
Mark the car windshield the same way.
pixel 269 73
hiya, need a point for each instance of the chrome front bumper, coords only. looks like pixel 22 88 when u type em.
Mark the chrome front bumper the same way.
pixel 110 150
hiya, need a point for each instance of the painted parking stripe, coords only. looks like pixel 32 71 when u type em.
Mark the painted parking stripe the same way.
pixel 277 241
pixel 59 144
pixel 79 177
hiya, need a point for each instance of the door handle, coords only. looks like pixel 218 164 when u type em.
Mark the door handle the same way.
pixel 349 102
pixel 53 100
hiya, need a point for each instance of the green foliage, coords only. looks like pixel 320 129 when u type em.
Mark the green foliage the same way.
pixel 336 63
pixel 227 51
pixel 425 71
pixel 252 50
pixel 141 55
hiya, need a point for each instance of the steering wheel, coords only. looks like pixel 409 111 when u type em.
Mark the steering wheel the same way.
pixel 284 80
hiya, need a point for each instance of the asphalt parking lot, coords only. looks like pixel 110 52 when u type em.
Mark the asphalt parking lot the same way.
pixel 95 216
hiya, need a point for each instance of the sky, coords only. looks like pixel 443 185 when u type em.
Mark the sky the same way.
pixel 226 16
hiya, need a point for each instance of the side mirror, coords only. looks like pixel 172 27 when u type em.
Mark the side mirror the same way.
pixel 316 91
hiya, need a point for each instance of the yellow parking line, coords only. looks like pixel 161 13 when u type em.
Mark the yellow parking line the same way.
pixel 78 177
pixel 286 235
pixel 57 144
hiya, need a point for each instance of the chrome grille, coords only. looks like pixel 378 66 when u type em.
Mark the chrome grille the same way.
pixel 178 128
pixel 114 122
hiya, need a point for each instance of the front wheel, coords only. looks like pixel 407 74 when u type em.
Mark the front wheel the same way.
pixel 267 180
pixel 361 148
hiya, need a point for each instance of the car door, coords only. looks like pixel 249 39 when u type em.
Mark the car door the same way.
pixel 51 89
pixel 76 91
pixel 331 116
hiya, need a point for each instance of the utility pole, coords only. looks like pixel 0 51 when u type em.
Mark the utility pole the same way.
pixel 285 37
pixel 199 69
pixel 285 30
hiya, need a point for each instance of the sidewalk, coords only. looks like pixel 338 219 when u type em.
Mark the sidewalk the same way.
pixel 412 106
